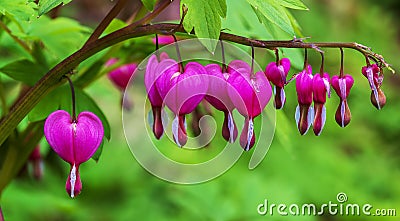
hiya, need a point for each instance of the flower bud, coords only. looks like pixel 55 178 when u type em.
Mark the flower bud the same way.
pixel 304 111
pixel 321 87
pixel 277 73
pixel 37 163
pixel 381 98
pixel 342 86
pixel 372 73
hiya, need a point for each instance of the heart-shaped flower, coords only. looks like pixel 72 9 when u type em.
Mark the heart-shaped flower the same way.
pixel 150 78
pixel 321 87
pixel 342 86
pixel 218 97
pixel 250 93
pixel 375 78
pixel 182 91
pixel 277 73
pixel 75 141
pixel 304 111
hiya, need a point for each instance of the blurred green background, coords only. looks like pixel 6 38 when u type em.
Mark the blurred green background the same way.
pixel 361 160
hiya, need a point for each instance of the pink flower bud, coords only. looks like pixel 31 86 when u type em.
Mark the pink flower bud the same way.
pixel 304 112
pixel 342 88
pixel 120 76
pixel 74 141
pixel 250 93
pixel 164 39
pixel 372 73
pixel 277 73
pixel 321 87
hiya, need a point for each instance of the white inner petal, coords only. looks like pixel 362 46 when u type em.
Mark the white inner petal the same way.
pixel 342 112
pixel 175 130
pixel 231 127
pixel 250 131
pixel 342 86
pixel 323 119
pixel 297 116
pixel 150 118
pixel 283 97
pixel 72 180
pixel 327 86
pixel 310 117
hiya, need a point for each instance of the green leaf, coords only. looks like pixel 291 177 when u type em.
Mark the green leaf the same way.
pixel 46 5
pixel 149 4
pixel 20 9
pixel 99 151
pixel 273 12
pixel 25 71
pixel 205 17
pixel 294 4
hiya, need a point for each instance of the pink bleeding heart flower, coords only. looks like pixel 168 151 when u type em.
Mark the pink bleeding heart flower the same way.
pixel 75 141
pixel 150 78
pixel 277 73
pixel 375 78
pixel 218 97
pixel 321 86
pixel 164 39
pixel 304 111
pixel 342 86
pixel 37 163
pixel 250 93
pixel 120 77
pixel 182 91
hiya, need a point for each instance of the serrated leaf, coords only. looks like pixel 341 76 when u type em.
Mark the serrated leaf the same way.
pixel 25 71
pixel 20 9
pixel 205 17
pixel 149 4
pixel 294 4
pixel 274 12
pixel 46 5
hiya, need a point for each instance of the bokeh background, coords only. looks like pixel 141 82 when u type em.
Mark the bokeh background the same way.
pixel 361 160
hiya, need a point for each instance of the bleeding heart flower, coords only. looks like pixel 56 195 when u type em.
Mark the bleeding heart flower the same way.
pixel 375 78
pixel 75 141
pixel 218 97
pixel 304 111
pixel 277 73
pixel 342 86
pixel 250 93
pixel 150 78
pixel 320 86
pixel 37 163
pixel 182 91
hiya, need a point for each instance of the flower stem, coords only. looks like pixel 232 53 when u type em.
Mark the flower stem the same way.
pixel 341 73
pixel 71 85
pixel 321 70
pixel 178 53
pixel 224 68
pixel 277 56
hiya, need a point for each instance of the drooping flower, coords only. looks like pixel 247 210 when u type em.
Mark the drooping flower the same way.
pixel 75 141
pixel 375 78
pixel 182 90
pixel 35 159
pixel 218 97
pixel 150 78
pixel 250 93
pixel 342 86
pixel 120 77
pixel 277 73
pixel 304 111
pixel 321 87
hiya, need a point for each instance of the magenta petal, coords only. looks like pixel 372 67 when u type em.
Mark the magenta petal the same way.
pixel 74 142
pixel 249 93
pixel 121 75
pixel 217 94
pixel 88 136
pixel 187 89
pixel 165 70
pixel 58 133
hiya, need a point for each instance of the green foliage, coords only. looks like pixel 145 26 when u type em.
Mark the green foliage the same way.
pixel 46 5
pixel 24 70
pixel 205 18
pixel 18 9
pixel 149 4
